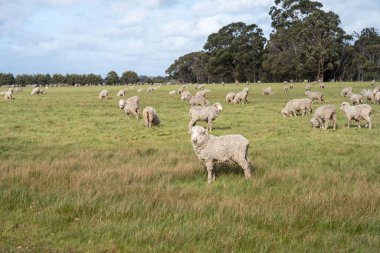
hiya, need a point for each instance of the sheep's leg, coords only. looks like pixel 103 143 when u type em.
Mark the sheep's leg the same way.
pixel 348 123
pixel 334 122
pixel 326 124
pixel 369 122
pixel 209 167
pixel 209 124
pixel 358 121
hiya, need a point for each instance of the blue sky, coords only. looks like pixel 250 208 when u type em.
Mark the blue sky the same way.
pixel 146 36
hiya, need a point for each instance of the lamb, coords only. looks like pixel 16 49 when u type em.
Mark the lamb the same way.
pixel 241 97
pixel 368 95
pixel 186 96
pixel 230 97
pixel 172 92
pixel 121 93
pixel 307 87
pixel 357 112
pixel 346 91
pixel 150 117
pixel 201 101
pixel 267 91
pixel 201 113
pixel 103 94
pixel 130 106
pixel 9 94
pixel 315 95
pixel 212 149
pixel 323 115
pixel 296 106
pixel 355 98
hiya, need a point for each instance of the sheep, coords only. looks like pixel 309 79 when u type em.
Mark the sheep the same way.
pixel 103 94
pixel 150 89
pixel 286 88
pixel 201 101
pixel 355 98
pixel 18 89
pixel 267 91
pixel 150 117
pixel 296 106
pixel 172 92
pixel 377 98
pixel 212 149
pixel 291 86
pixel 37 91
pixel 322 85
pixel 323 115
pixel 199 86
pixel 186 96
pixel 121 93
pixel 346 91
pixel 181 89
pixel 357 112
pixel 241 97
pixel 307 87
pixel 9 94
pixel 368 95
pixel 315 95
pixel 201 93
pixel 230 97
pixel 202 113
pixel 373 82
pixel 377 89
pixel 130 106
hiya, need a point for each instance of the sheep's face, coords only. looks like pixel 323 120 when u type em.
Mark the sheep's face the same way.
pixel 344 105
pixel 121 104
pixel 218 106
pixel 198 134
pixel 285 112
pixel 314 122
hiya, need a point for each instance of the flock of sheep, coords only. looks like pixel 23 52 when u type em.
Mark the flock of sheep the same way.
pixel 234 148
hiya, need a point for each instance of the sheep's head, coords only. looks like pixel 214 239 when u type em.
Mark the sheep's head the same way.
pixel 285 112
pixel 122 104
pixel 218 106
pixel 314 122
pixel 198 135
pixel 307 92
pixel 344 105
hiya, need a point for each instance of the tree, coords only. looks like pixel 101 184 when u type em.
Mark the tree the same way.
pixel 7 79
pixel 112 78
pixel 129 77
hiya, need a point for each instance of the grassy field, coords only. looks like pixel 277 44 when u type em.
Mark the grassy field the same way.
pixel 77 176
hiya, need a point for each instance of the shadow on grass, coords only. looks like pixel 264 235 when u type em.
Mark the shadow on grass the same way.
pixel 231 169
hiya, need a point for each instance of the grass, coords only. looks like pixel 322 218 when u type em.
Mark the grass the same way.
pixel 77 176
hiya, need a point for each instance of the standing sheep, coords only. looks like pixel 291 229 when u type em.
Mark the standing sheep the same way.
pixel 355 98
pixel 186 96
pixel 323 115
pixel 37 91
pixel 368 95
pixel 230 97
pixel 202 113
pixel 130 106
pixel 121 93
pixel 296 106
pixel 9 94
pixel 220 149
pixel 315 95
pixel 307 87
pixel 241 97
pixel 103 94
pixel 286 88
pixel 150 117
pixel 377 98
pixel 346 91
pixel 322 85
pixel 267 91
pixel 357 112
pixel 201 101
pixel 150 89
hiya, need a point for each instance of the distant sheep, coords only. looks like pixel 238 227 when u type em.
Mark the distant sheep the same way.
pixel 322 85
pixel 297 106
pixel 121 93
pixel 356 113
pixel 377 98
pixel 186 96
pixel 37 91
pixel 150 89
pixel 286 88
pixel 150 117
pixel 355 98
pixel 103 94
pixel 308 87
pixel 181 89
pixel 130 106
pixel 204 113
pixel 322 117
pixel 172 92
pixel 201 93
pixel 9 94
pixel 230 97
pixel 346 91
pixel 220 149
pixel 267 91
pixel 315 95
pixel 368 95
pixel 201 101
pixel 241 97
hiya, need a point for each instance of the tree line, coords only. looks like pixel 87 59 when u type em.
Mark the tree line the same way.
pixel 306 43
pixel 112 78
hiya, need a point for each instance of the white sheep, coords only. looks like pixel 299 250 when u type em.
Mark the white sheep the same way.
pixel 172 92
pixel 241 97
pixel 37 91
pixel 130 106
pixel 307 87
pixel 322 85
pixel 286 88
pixel 377 98
pixel 368 95
pixel 297 106
pixel 9 94
pixel 204 113
pixel 181 89
pixel 356 113
pixel 346 91
pixel 355 98
pixel 200 101
pixel 103 94
pixel 322 117
pixel 315 95
pixel 150 89
pixel 150 117
pixel 121 93
pixel 201 93
pixel 185 96
pixel 230 97
pixel 267 91
pixel 212 149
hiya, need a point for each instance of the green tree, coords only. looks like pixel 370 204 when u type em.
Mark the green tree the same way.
pixel 129 77
pixel 112 78
pixel 7 79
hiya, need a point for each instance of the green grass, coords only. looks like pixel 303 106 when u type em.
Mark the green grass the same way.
pixel 77 176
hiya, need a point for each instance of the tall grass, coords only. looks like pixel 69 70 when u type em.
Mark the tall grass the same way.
pixel 77 175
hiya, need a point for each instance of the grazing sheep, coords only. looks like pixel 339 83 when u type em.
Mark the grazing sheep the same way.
pixel 267 91
pixel 315 95
pixel 172 92
pixel 37 91
pixel 297 106
pixel 201 101
pixel 204 113
pixel 355 98
pixel 9 94
pixel 150 89
pixel 346 91
pixel 212 149
pixel 103 94
pixel 286 88
pixel 322 85
pixel 18 89
pixel 291 86
pixel 230 97
pixel 241 97
pixel 201 93
pixel 130 106
pixel 181 89
pixel 377 98
pixel 121 93
pixel 186 96
pixel 199 86
pixel 307 87
pixel 368 95
pixel 150 117
pixel 357 112
pixel 322 117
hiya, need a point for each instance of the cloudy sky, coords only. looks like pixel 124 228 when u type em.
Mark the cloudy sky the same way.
pixel 146 36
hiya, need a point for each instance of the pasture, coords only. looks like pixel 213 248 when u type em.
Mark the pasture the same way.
pixel 77 176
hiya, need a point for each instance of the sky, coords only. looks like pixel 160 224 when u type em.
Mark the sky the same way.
pixel 145 36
